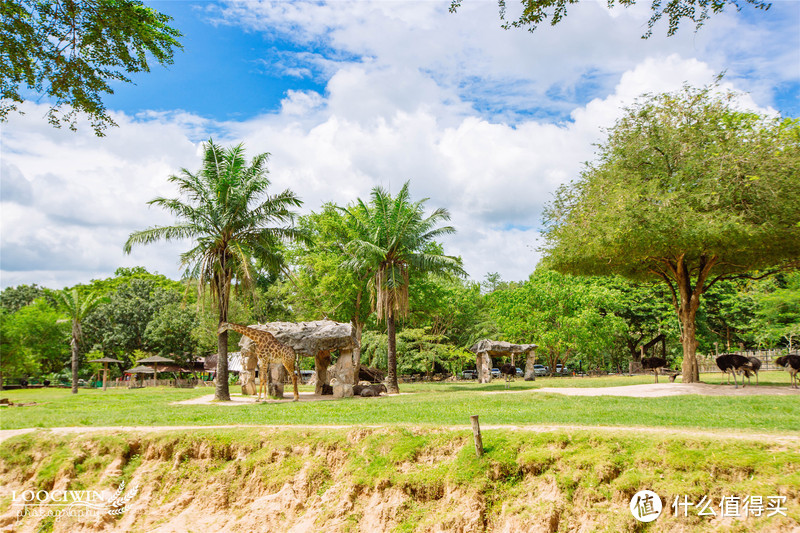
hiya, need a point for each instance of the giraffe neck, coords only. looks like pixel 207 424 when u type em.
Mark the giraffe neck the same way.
pixel 244 330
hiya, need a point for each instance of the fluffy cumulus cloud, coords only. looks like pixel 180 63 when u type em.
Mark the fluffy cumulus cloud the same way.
pixel 484 122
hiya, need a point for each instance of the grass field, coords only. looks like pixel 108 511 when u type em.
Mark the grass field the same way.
pixel 427 404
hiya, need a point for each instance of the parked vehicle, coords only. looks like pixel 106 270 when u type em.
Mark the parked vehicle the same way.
pixel 520 373
pixel 540 370
pixel 469 374
pixel 562 370
pixel 495 373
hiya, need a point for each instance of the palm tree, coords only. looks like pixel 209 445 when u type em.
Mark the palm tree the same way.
pixel 77 309
pixel 394 237
pixel 231 221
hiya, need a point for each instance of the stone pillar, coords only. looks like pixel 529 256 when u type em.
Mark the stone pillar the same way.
pixel 321 362
pixel 342 374
pixel 483 363
pixel 530 360
pixel 277 375
pixel 248 376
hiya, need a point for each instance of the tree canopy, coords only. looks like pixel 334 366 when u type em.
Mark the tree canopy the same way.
pixel 72 51
pixel 687 190
pixel 535 12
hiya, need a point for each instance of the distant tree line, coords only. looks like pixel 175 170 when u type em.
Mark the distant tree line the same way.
pixel 591 323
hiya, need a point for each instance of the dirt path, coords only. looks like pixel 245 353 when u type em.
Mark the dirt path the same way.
pixel 656 390
pixel 790 440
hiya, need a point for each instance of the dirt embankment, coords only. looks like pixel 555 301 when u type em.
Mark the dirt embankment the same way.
pixel 381 479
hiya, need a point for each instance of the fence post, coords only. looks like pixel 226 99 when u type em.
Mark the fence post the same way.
pixel 476 433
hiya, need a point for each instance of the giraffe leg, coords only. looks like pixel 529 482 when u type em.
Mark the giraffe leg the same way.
pixel 288 364
pixel 262 381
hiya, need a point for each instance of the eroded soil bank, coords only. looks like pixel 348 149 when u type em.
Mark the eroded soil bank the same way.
pixel 393 479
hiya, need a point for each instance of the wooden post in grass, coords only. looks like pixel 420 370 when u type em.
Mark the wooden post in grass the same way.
pixel 476 433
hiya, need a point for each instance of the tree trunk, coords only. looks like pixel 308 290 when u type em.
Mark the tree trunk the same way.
pixel 74 345
pixel 690 370
pixel 391 361
pixel 221 391
pixel 687 312
pixel 358 328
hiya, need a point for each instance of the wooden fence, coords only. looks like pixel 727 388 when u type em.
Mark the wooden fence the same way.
pixel 708 363
pixel 179 383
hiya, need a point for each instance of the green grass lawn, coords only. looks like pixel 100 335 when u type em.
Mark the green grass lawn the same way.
pixel 449 403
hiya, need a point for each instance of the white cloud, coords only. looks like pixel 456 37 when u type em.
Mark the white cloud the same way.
pixel 484 122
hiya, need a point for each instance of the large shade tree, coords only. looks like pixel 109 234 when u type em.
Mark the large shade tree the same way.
pixel 688 190
pixel 77 307
pixel 232 221
pixel 391 237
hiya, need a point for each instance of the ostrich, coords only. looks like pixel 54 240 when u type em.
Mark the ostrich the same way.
pixel 510 372
pixel 733 363
pixel 653 363
pixel 755 362
pixel 791 363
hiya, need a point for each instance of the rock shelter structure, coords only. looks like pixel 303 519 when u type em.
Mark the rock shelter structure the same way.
pixel 486 349
pixel 318 339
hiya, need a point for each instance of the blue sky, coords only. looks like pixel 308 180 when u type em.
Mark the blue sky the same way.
pixel 219 74
pixel 347 95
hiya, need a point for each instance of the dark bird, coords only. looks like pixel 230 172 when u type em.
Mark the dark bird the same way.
pixel 791 363
pixel 509 371
pixel 733 363
pixel 755 362
pixel 654 363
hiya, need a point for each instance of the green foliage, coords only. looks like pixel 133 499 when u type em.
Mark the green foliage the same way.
pixel 682 175
pixel 125 276
pixel 777 311
pixel 567 317
pixel 324 288
pixel 534 12
pixel 393 238
pixel 72 51
pixel 169 332
pixel 15 298
pixel 33 341
pixel 118 327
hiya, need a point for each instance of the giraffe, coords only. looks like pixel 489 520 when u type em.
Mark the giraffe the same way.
pixel 268 350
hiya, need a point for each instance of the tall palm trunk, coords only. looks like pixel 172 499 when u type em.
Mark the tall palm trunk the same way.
pixel 74 345
pixel 222 391
pixel 391 360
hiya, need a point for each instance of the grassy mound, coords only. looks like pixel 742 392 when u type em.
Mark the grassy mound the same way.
pixel 398 479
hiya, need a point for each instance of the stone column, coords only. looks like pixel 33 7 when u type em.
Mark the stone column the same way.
pixel 321 362
pixel 248 376
pixel 277 375
pixel 530 360
pixel 483 363
pixel 342 373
